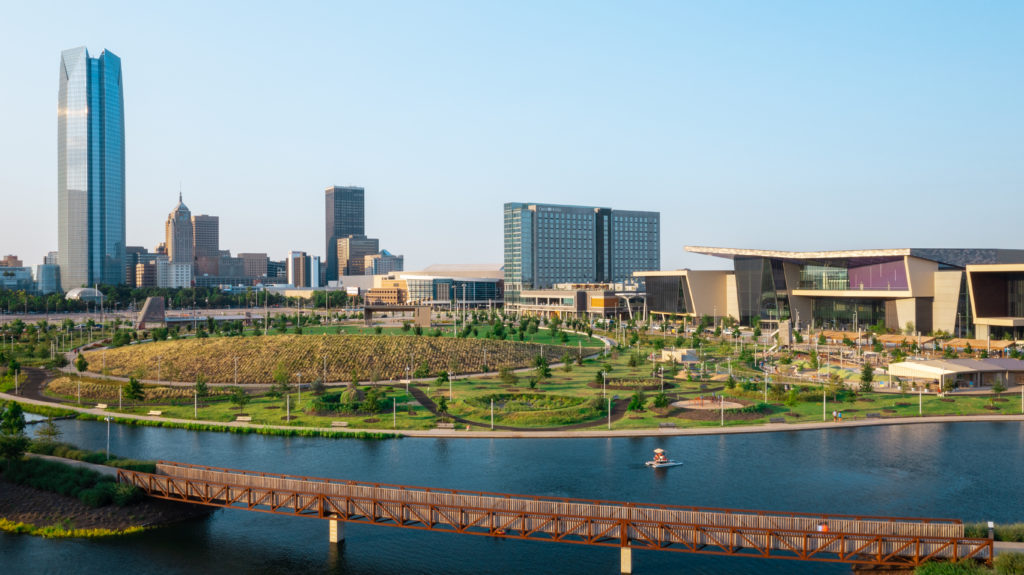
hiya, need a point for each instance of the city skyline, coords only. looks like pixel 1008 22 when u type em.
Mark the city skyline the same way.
pixel 798 118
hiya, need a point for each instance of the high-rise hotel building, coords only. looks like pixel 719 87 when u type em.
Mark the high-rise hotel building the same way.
pixel 547 244
pixel 90 170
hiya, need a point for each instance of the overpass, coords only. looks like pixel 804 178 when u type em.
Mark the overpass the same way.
pixel 852 539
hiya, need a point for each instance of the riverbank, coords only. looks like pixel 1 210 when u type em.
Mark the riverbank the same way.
pixel 35 512
pixel 479 432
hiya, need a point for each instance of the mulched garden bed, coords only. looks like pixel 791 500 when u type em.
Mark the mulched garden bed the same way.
pixel 371 420
pixel 947 399
pixel 889 410
pixel 289 417
pixel 991 407
pixel 866 399
pixel 272 407
pixel 716 415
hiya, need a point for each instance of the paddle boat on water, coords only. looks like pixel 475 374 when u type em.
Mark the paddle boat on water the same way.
pixel 661 460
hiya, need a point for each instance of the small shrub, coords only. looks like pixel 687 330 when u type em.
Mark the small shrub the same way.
pixel 944 568
pixel 1009 563
pixel 99 495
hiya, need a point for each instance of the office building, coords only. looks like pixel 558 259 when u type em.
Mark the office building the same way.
pixel 298 269
pixel 51 259
pixel 179 235
pixel 173 274
pixel 277 271
pixel 17 278
pixel 90 170
pixel 383 263
pixel 254 265
pixel 47 279
pixel 907 289
pixel 344 217
pixel 206 236
pixel 11 261
pixel 133 256
pixel 351 252
pixel 547 244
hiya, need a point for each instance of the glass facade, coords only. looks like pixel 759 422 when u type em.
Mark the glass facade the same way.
pixel 854 275
pixel 846 313
pixel 668 294
pixel 548 244
pixel 345 217
pixel 90 170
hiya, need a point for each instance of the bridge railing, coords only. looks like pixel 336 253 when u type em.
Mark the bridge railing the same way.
pixel 836 521
pixel 567 520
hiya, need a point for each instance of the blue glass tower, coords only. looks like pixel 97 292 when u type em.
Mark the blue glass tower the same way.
pixel 90 170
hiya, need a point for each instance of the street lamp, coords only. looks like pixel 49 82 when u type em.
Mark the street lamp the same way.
pixel 107 418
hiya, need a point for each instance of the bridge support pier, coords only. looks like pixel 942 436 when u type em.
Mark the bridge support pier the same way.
pixel 626 561
pixel 337 531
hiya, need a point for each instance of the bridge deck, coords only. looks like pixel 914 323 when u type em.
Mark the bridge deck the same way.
pixel 860 539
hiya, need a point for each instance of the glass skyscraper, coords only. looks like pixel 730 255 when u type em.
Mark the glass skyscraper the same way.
pixel 345 217
pixel 546 244
pixel 90 170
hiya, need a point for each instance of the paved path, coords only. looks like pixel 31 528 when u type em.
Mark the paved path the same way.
pixel 762 428
pixel 103 469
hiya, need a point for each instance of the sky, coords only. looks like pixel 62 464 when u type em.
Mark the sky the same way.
pixel 772 125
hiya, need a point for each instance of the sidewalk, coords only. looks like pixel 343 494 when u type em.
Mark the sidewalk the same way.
pixel 667 432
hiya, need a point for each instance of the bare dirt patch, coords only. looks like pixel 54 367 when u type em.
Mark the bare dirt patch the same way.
pixel 42 508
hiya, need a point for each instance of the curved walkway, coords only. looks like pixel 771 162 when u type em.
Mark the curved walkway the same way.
pixel 618 412
pixel 761 428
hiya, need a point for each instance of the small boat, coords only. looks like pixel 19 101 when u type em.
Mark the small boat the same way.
pixel 662 460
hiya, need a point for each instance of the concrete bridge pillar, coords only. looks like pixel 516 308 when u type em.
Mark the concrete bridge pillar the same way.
pixel 337 531
pixel 626 561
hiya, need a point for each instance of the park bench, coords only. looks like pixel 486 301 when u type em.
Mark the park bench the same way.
pixel 873 415
pixel 446 426
pixel 339 424
pixel 101 406
pixel 245 418
pixel 155 412
pixel 777 420
pixel 667 424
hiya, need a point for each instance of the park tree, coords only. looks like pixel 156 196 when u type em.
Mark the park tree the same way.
pixel 821 339
pixel 442 405
pixel 867 375
pixel 566 362
pixel 12 421
pixel 998 387
pixel 540 368
pixel 133 390
pixel 240 398
pixel 81 364
pixel 201 388
pixel 48 432
pixel 508 376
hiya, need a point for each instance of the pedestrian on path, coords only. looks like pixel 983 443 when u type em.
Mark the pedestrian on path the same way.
pixel 834 416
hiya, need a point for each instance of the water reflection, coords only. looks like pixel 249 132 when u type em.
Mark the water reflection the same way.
pixel 953 469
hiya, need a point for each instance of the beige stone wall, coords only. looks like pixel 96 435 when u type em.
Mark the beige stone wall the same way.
pixel 921 274
pixel 906 310
pixel 947 293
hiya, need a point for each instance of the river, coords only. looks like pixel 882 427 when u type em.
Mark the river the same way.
pixel 959 470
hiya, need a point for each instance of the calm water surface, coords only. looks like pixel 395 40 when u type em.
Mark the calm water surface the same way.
pixel 961 470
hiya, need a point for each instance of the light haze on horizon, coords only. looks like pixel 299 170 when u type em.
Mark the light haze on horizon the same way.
pixel 785 125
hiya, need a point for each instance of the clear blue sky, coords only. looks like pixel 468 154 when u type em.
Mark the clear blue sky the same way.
pixel 788 125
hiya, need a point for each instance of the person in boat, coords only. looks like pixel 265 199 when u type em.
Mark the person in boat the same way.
pixel 660 457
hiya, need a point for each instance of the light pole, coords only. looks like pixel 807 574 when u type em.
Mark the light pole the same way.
pixel 298 377
pixel 236 371
pixel 108 436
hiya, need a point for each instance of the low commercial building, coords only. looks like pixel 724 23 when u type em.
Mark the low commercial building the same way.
pixel 964 373
pixel 997 300
pixel 580 301
pixel 906 289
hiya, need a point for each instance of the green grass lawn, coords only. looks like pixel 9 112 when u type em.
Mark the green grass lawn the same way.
pixel 470 400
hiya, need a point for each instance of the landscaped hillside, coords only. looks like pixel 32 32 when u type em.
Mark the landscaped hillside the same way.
pixel 347 357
